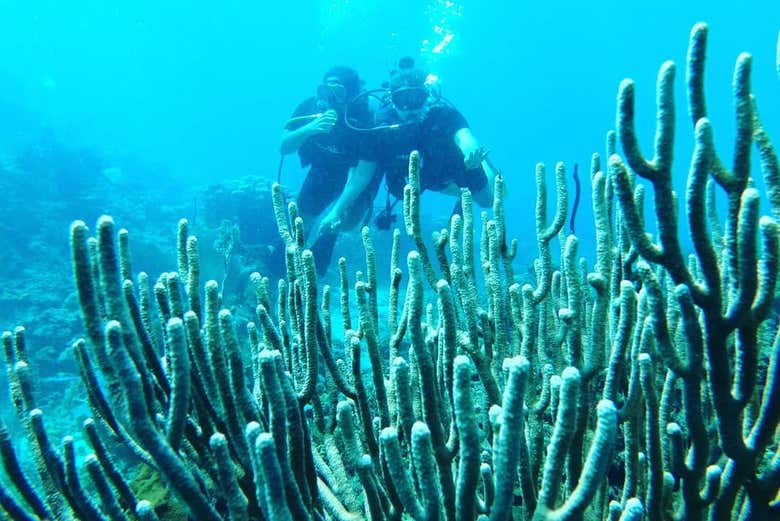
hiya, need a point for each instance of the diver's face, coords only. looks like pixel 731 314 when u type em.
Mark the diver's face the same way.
pixel 332 92
pixel 412 115
pixel 410 103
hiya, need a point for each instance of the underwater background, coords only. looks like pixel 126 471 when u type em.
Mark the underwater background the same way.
pixel 154 111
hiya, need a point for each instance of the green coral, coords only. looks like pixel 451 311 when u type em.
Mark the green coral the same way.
pixel 149 485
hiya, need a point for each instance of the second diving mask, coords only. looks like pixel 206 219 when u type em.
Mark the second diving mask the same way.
pixel 334 94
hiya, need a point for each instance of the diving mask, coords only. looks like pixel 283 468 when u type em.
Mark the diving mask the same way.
pixel 409 98
pixel 333 93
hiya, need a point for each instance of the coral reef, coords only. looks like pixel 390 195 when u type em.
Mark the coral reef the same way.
pixel 236 218
pixel 643 387
pixel 46 184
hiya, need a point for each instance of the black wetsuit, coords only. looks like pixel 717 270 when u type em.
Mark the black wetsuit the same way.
pixel 433 137
pixel 329 157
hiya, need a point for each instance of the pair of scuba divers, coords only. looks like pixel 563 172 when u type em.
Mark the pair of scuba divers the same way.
pixel 351 139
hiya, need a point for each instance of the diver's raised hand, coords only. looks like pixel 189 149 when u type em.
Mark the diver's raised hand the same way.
pixel 324 123
pixel 328 225
pixel 475 158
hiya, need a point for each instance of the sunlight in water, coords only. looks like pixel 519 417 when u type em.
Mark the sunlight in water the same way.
pixel 433 27
pixel 444 17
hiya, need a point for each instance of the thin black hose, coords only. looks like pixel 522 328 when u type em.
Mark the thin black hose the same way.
pixel 577 189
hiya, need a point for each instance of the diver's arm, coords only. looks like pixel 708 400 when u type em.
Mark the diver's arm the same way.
pixel 469 147
pixel 292 139
pixel 358 179
pixel 466 141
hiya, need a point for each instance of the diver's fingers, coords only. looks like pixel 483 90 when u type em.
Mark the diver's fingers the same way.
pixel 481 153
pixel 474 159
pixel 326 125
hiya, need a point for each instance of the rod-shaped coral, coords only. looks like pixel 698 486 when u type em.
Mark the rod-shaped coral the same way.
pixel 177 475
pixel 467 425
pixel 729 282
pixel 88 291
pixel 145 511
pixel 108 465
pixel 236 500
pixel 368 331
pixel 452 427
pixel 562 433
pixel 594 469
pixel 278 427
pixel 310 320
pixel 402 481
pixel 180 382
pixel 20 481
pixel 109 503
pixel 425 465
pixel 10 505
pixel 511 442
pixel 412 217
pixel 273 491
pixel 426 371
pixel 545 233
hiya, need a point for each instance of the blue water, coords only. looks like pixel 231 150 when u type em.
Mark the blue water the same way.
pixel 200 90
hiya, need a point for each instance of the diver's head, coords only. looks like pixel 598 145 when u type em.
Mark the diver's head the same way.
pixel 339 86
pixel 409 92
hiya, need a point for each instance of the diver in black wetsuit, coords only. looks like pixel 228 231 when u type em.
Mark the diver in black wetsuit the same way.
pixel 416 119
pixel 318 131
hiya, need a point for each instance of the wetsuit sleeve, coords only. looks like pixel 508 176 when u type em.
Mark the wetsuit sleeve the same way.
pixel 452 121
pixel 304 108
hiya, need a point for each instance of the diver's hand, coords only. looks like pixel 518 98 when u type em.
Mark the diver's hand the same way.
pixel 323 124
pixel 475 158
pixel 329 224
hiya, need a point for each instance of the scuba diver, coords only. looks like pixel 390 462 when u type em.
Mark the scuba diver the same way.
pixel 416 117
pixel 328 144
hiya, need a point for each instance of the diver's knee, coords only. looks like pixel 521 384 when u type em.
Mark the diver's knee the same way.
pixel 483 197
